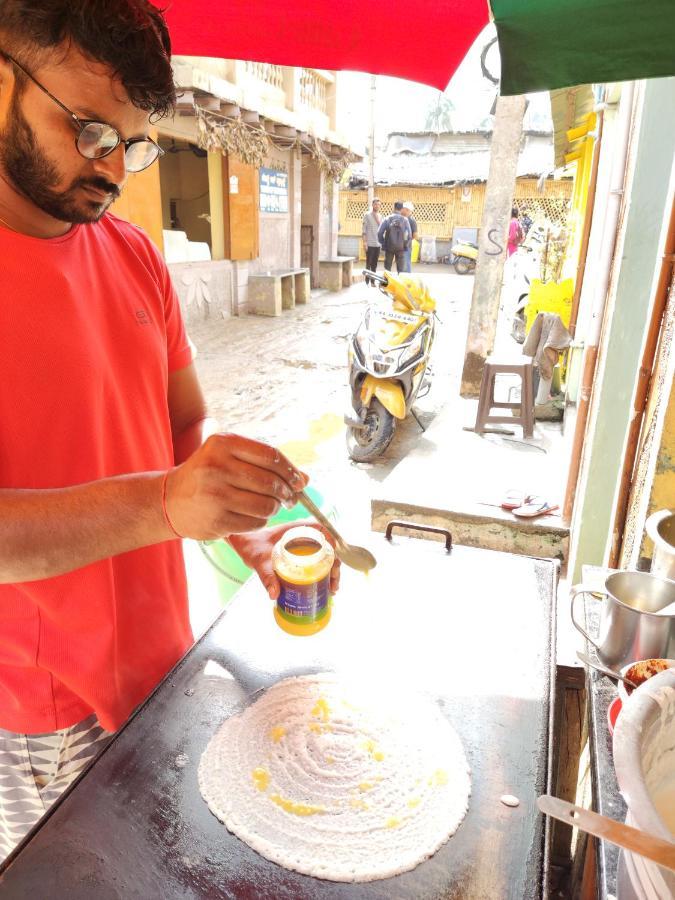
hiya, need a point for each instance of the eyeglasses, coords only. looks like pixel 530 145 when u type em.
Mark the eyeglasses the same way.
pixel 97 139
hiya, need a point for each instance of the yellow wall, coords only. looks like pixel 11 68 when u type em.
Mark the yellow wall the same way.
pixel 582 158
pixel 438 210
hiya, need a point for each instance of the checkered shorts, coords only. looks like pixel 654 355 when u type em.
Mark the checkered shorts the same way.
pixel 35 769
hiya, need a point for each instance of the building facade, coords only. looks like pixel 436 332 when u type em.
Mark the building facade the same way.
pixel 444 175
pixel 247 182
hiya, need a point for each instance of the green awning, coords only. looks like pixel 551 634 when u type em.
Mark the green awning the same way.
pixel 548 44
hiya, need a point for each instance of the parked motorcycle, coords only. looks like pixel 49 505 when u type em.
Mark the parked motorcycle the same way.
pixel 464 256
pixel 388 360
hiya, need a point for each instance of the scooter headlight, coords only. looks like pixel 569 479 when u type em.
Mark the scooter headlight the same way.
pixel 374 359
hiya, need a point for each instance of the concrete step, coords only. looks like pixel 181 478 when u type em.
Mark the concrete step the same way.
pixel 456 479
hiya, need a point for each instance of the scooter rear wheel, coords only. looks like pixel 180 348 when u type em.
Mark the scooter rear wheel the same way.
pixel 463 265
pixel 366 444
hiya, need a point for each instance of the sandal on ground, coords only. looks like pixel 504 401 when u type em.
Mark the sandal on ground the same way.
pixel 515 499
pixel 530 510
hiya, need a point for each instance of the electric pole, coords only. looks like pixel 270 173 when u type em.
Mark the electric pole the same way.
pixel 371 142
pixel 487 287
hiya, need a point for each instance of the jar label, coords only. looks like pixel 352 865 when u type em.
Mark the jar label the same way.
pixel 303 602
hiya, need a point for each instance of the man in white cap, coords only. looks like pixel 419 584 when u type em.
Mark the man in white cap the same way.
pixel 408 210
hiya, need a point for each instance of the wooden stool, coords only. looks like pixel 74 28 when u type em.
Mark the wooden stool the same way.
pixel 486 402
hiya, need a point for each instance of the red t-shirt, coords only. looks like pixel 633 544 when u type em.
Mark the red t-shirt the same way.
pixel 90 327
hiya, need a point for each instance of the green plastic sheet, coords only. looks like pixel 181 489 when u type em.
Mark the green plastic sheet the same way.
pixel 546 44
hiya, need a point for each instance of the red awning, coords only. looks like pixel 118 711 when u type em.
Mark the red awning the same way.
pixel 422 41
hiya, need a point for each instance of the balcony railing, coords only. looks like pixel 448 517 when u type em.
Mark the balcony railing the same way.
pixel 265 72
pixel 313 91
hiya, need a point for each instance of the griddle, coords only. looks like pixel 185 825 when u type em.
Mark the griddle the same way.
pixel 472 628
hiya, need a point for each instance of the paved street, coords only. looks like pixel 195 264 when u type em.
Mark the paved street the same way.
pixel 284 380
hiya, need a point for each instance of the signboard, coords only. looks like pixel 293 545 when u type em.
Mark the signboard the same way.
pixel 273 191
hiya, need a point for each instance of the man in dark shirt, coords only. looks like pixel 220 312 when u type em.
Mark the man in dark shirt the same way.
pixel 395 236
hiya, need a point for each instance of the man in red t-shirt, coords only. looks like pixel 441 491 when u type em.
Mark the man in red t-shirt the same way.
pixel 103 462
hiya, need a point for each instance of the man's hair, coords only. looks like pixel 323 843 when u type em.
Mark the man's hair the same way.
pixel 398 206
pixel 376 199
pixel 514 212
pixel 129 36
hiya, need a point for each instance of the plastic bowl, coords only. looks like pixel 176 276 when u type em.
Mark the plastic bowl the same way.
pixel 613 713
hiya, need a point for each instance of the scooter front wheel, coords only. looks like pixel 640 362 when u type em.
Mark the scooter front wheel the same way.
pixel 366 444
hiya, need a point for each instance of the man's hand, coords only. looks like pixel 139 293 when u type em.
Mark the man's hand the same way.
pixel 230 484
pixel 256 551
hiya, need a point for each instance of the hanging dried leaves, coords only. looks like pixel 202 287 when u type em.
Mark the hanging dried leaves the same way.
pixel 232 136
pixel 252 145
pixel 332 167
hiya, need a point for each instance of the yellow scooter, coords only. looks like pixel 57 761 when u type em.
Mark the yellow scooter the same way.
pixel 464 256
pixel 388 359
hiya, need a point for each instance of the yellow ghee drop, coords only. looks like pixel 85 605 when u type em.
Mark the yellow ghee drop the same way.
pixel 365 786
pixel 439 778
pixel 321 710
pixel 358 803
pixel 413 802
pixel 277 733
pixel 378 756
pixel 261 778
pixel 296 809
pixel 330 760
pixel 393 823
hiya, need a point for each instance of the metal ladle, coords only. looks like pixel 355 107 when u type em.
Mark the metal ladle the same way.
pixel 605 671
pixel 355 557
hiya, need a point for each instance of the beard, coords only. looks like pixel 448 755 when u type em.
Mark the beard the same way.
pixel 37 178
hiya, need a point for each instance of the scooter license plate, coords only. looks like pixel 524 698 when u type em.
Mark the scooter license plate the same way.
pixel 395 316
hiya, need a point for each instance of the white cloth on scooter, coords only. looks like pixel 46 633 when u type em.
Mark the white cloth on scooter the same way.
pixel 547 337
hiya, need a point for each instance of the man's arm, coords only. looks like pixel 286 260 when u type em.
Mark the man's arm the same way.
pixel 227 484
pixel 190 423
pixel 382 232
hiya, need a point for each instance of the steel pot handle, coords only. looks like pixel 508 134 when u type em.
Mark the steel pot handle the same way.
pixel 653 522
pixel 583 589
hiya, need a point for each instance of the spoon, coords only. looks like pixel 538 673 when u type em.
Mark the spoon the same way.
pixel 605 670
pixel 355 557
pixel 648 845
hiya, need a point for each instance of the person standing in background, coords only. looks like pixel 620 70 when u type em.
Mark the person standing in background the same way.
pixel 408 210
pixel 515 233
pixel 395 236
pixel 371 245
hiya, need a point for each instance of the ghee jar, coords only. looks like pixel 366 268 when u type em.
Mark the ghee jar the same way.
pixel 302 560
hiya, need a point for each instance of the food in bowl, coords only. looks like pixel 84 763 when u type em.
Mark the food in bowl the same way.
pixel 641 671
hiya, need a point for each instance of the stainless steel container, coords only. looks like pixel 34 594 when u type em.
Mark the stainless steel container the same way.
pixel 644 760
pixel 630 626
pixel 660 527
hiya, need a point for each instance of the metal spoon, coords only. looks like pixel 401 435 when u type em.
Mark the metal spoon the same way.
pixel 355 557
pixel 605 670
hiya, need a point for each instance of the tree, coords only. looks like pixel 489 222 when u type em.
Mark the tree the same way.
pixel 439 114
